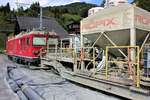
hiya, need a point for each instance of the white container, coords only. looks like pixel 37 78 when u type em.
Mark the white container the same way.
pixel 94 10
pixel 115 2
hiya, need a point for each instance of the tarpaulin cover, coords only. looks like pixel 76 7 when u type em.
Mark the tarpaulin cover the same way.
pixel 49 86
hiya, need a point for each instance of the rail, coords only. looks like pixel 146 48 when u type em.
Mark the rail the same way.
pixel 132 70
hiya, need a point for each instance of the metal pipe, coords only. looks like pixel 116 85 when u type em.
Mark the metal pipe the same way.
pixel 30 93
pixel 82 45
pixel 41 15
pixel 133 43
pixel 13 85
pixel 21 95
pixel 106 68
pixel 138 68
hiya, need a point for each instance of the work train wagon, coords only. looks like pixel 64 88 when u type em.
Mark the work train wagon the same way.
pixel 25 47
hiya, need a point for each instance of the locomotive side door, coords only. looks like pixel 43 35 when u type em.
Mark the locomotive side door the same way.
pixel 23 45
pixel 15 47
pixel 27 45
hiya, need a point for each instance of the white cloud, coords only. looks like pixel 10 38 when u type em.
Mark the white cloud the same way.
pixel 61 2
pixel 77 0
pixel 43 2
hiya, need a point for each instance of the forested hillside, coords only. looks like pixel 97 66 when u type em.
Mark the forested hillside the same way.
pixel 5 23
pixel 5 16
pixel 63 14
pixel 145 4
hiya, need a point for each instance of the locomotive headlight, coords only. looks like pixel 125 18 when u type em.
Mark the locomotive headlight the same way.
pixel 36 52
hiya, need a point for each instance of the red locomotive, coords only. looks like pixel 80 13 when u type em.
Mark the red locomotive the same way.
pixel 25 47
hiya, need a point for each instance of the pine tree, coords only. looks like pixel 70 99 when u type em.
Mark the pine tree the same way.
pixel 34 10
pixel 7 7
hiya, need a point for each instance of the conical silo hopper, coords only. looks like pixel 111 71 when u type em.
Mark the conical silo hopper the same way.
pixel 123 25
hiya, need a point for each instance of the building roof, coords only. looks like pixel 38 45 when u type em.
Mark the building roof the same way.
pixel 49 23
pixel 74 27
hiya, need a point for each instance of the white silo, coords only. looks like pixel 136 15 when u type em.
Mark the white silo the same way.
pixel 94 10
pixel 110 3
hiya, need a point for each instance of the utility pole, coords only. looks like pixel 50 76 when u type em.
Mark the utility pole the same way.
pixel 17 4
pixel 41 18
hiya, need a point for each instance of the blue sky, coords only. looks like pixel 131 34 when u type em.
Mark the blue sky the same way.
pixel 49 2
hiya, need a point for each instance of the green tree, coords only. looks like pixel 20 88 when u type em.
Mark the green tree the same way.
pixel 34 10
pixel 7 7
pixel 20 11
pixel 145 4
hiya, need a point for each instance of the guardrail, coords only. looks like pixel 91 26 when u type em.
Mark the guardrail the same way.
pixel 85 54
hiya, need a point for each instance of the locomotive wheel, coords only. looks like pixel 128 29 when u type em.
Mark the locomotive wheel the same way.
pixel 14 59
pixel 9 57
pixel 19 61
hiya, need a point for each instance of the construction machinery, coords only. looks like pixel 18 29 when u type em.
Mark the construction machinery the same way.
pixel 113 55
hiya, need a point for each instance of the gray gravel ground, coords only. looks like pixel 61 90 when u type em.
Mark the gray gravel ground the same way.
pixel 52 87
pixel 5 91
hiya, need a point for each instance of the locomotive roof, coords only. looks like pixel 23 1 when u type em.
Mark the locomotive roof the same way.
pixel 32 32
pixel 51 25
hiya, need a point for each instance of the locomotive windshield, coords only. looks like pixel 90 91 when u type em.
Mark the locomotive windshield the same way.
pixel 39 41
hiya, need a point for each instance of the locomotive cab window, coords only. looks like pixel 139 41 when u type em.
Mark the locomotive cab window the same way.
pixel 39 41
pixel 52 41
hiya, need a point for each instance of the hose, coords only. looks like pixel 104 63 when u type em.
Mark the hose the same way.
pixel 30 93
pixel 19 86
pixel 21 95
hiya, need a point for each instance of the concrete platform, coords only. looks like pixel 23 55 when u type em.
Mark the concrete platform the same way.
pixel 5 91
